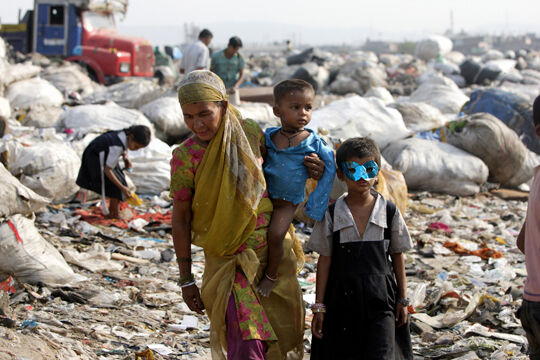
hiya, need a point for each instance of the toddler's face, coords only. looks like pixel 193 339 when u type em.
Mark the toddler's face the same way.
pixel 295 109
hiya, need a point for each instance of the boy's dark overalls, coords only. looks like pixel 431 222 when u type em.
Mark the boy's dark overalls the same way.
pixel 360 302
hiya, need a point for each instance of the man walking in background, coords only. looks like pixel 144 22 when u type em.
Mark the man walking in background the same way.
pixel 197 55
pixel 229 65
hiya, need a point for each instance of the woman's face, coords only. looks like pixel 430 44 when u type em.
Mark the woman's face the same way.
pixel 204 118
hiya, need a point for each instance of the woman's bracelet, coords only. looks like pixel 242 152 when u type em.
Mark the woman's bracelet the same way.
pixel 273 279
pixel 186 280
pixel 187 284
pixel 318 308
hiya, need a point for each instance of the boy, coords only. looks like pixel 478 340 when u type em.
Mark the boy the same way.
pixel 360 311
pixel 287 147
pixel 528 242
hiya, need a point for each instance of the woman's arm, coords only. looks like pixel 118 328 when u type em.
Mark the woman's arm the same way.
pixel 181 232
pixel 398 263
pixel 110 175
pixel 323 269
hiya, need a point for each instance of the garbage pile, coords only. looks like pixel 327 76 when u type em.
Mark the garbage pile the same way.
pixel 458 148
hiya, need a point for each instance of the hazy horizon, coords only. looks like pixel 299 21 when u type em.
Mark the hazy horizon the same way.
pixel 318 22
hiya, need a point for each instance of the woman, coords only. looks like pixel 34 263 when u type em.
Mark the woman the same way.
pixel 219 194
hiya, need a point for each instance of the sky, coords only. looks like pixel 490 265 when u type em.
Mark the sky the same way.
pixel 317 22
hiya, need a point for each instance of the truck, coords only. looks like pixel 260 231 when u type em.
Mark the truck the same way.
pixel 83 31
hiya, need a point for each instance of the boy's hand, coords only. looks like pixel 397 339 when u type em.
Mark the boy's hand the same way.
pixel 401 314
pixel 265 287
pixel 316 325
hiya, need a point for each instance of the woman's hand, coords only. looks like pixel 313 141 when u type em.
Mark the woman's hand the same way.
pixel 316 325
pixel 192 298
pixel 265 286
pixel 314 165
pixel 401 314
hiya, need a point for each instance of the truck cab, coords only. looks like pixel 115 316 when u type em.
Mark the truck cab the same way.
pixel 83 31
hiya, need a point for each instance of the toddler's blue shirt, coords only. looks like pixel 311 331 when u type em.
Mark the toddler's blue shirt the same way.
pixel 286 174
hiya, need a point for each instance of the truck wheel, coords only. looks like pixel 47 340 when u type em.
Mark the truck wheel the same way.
pixel 160 77
pixel 91 74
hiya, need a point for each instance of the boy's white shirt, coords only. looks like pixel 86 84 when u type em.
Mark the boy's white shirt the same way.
pixel 321 237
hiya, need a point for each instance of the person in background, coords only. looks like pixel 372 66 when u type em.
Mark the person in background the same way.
pixel 197 55
pixel 229 65
pixel 100 169
pixel 360 309
pixel 528 242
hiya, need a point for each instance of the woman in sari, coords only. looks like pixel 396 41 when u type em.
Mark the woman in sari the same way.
pixel 221 204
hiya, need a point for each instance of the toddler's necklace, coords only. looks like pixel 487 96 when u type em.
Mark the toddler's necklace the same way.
pixel 294 133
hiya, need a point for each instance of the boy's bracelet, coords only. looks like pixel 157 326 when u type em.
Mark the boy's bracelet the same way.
pixel 318 308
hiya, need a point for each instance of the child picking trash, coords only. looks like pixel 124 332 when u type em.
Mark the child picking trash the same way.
pixel 288 148
pixel 100 170
pixel 361 306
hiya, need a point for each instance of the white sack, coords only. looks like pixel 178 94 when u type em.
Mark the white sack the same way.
pixel 15 198
pixel 32 92
pixel 42 116
pixel 151 167
pixel 32 260
pixel 70 77
pixel 48 168
pixel 497 145
pixel 21 71
pixel 420 116
pixel 5 109
pixel 128 94
pixel 434 45
pixel 358 116
pixel 448 99
pixel 85 119
pixel 435 166
pixel 262 113
pixel 165 113
pixel 380 92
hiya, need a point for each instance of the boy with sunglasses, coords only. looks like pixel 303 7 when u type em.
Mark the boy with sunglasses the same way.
pixel 361 306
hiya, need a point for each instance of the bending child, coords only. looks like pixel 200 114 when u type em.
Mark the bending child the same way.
pixel 361 305
pixel 100 170
pixel 288 147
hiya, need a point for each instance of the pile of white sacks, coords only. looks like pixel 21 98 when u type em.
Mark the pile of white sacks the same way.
pixel 54 111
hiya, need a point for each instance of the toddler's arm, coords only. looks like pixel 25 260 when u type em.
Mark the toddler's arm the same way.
pixel 282 218
pixel 398 263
